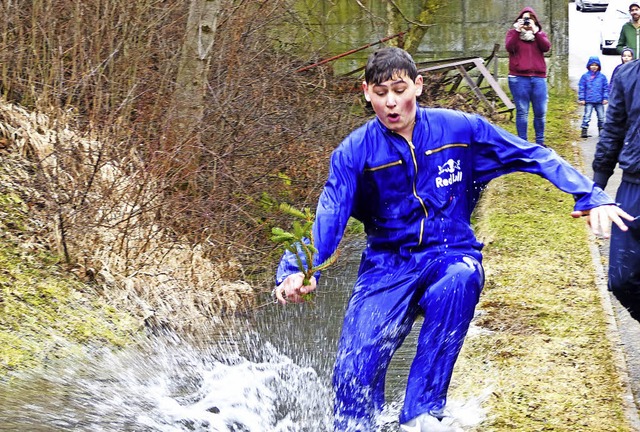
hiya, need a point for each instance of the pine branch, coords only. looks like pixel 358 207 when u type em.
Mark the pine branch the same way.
pixel 295 243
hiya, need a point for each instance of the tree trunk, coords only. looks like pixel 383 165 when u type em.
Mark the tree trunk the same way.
pixel 418 28
pixel 182 130
pixel 558 31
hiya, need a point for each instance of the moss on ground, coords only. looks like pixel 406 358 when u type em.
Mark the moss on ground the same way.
pixel 543 348
pixel 44 311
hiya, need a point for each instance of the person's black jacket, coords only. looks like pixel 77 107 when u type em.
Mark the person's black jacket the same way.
pixel 620 136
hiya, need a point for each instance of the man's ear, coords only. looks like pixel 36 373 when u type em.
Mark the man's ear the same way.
pixel 365 87
pixel 419 84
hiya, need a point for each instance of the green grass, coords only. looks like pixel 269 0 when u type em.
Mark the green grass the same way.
pixel 45 311
pixel 546 355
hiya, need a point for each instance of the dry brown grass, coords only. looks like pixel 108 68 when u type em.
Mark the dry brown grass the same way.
pixel 542 347
pixel 167 241
pixel 137 265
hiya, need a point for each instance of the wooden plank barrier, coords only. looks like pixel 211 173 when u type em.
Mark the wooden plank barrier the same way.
pixel 454 71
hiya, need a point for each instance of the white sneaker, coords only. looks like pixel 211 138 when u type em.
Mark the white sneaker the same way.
pixel 410 426
pixel 425 423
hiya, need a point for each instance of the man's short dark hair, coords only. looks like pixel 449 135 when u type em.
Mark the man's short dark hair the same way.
pixel 384 63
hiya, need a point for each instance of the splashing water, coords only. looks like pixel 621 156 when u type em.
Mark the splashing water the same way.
pixel 170 385
pixel 270 374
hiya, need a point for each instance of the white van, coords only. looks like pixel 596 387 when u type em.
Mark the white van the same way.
pixel 611 22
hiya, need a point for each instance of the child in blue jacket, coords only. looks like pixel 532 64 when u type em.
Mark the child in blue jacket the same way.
pixel 413 176
pixel 593 93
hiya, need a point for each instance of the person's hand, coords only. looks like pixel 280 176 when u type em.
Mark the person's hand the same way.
pixel 604 102
pixel 292 289
pixel 581 102
pixel 600 219
pixel 534 27
pixel 518 24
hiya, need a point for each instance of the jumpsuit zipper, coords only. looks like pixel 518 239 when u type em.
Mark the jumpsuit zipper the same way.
pixel 444 147
pixel 388 165
pixel 415 192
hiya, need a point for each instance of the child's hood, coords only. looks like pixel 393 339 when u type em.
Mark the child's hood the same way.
pixel 596 60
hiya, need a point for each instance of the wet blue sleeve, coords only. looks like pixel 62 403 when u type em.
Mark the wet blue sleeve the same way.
pixel 333 210
pixel 613 133
pixel 499 152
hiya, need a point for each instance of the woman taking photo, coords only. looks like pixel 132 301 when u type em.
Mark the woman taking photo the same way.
pixel 526 44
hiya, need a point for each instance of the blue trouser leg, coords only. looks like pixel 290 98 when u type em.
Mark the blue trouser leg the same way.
pixel 377 320
pixel 387 298
pixel 624 252
pixel 520 88
pixel 453 290
pixel 588 112
pixel 539 99
pixel 600 114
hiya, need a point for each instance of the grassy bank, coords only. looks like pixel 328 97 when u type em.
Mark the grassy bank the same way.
pixel 44 311
pixel 544 350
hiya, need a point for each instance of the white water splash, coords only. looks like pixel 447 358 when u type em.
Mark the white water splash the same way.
pixel 171 387
pixel 237 384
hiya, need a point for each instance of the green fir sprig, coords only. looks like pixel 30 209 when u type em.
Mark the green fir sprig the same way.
pixel 293 241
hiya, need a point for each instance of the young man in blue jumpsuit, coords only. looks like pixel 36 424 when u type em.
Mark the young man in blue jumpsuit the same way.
pixel 412 176
pixel 619 144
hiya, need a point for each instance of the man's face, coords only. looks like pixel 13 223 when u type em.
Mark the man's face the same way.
pixel 634 11
pixel 394 102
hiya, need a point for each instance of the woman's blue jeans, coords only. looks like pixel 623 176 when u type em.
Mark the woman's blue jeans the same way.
pixel 588 111
pixel 529 91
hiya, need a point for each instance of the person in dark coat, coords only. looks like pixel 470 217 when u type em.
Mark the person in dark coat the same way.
pixel 619 144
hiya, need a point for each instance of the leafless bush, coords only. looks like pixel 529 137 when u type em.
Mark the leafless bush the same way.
pixel 160 239
pixel 164 228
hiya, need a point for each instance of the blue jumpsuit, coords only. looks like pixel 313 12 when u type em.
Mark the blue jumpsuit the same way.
pixel 415 200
